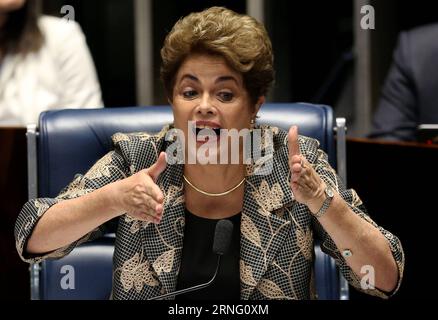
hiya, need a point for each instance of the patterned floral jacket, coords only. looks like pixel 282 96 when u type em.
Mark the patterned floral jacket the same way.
pixel 277 232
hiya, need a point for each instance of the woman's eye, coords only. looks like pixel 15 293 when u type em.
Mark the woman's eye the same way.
pixel 226 96
pixel 189 94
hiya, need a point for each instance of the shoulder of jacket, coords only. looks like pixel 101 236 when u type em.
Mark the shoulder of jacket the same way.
pixel 126 140
pixel 309 147
pixel 140 149
pixel 306 143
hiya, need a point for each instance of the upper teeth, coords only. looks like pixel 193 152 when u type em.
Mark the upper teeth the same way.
pixel 205 127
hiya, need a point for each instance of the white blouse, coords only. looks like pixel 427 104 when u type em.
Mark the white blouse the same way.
pixel 60 75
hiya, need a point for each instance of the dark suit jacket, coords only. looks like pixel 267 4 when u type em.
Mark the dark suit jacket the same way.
pixel 277 232
pixel 410 93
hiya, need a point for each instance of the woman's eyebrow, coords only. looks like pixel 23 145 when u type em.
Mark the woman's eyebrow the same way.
pixel 189 77
pixel 226 78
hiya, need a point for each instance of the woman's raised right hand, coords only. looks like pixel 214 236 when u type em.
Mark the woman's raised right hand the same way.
pixel 139 196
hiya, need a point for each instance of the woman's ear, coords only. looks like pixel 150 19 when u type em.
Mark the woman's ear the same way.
pixel 259 103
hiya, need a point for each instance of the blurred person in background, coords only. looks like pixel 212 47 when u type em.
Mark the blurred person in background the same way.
pixel 410 94
pixel 44 64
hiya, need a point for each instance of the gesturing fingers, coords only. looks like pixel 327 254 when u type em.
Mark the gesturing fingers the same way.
pixel 153 190
pixel 300 168
pixel 158 167
pixel 144 206
pixel 296 160
pixel 293 146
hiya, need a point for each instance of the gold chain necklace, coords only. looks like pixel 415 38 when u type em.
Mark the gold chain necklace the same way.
pixel 214 194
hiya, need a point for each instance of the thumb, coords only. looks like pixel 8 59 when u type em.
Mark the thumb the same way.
pixel 158 167
pixel 292 142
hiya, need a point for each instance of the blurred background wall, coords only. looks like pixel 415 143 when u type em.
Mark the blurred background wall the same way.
pixel 321 53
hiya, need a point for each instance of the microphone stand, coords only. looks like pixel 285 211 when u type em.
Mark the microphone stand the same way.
pixel 197 287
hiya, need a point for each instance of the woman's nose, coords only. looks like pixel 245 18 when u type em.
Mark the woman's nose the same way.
pixel 205 105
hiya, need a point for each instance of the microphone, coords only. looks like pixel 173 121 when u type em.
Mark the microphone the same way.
pixel 222 239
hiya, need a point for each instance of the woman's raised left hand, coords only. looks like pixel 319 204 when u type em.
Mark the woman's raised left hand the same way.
pixel 307 186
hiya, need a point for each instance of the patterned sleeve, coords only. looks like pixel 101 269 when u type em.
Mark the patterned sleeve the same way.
pixel 110 168
pixel 320 163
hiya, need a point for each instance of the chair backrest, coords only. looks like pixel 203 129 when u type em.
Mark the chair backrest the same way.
pixel 84 274
pixel 70 141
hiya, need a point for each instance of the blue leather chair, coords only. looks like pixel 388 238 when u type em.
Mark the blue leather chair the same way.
pixel 69 141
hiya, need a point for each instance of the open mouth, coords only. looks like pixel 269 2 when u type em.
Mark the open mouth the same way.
pixel 217 131
pixel 205 134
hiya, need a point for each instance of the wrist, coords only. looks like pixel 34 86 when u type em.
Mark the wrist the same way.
pixel 110 199
pixel 317 202
pixel 328 196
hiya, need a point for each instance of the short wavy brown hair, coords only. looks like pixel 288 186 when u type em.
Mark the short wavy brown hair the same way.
pixel 240 39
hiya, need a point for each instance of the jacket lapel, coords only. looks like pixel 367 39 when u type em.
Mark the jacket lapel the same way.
pixel 262 231
pixel 163 242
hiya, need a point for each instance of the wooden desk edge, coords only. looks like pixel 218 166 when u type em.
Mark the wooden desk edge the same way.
pixel 392 143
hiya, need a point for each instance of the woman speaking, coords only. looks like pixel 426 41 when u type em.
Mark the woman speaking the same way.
pixel 217 67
